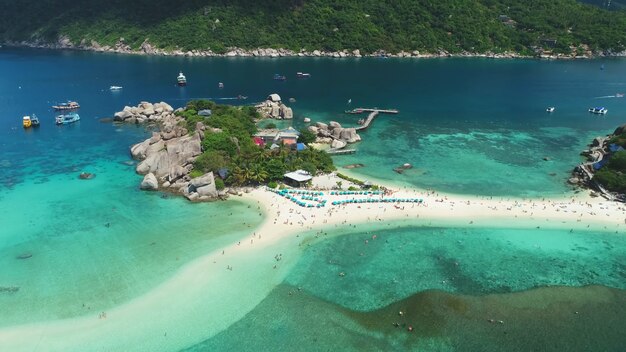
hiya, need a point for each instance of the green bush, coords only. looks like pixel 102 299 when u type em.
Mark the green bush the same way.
pixel 306 136
pixel 612 180
pixel 219 184
pixel 272 184
pixel 348 178
pixel 196 173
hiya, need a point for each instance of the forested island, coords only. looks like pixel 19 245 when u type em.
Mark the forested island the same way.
pixel 443 27
pixel 205 150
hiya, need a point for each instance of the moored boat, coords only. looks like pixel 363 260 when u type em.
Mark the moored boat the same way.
pixel 34 120
pixel 598 110
pixel 70 105
pixel 278 77
pixel 67 118
pixel 181 79
pixel 354 111
pixel 27 122
pixel 220 85
pixel 550 109
pixel 303 75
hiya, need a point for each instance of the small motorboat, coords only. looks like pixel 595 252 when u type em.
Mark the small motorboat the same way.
pixel 303 75
pixel 34 120
pixel 242 97
pixel 619 95
pixel 67 118
pixel 115 88
pixel 27 122
pixel 550 109
pixel 181 80
pixel 220 85
pixel 70 105
pixel 278 77
pixel 598 110
pixel 354 111
pixel 307 120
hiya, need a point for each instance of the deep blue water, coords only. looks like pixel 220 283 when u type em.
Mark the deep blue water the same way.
pixel 498 104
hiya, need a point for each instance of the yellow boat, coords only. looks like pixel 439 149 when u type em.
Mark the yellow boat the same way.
pixel 26 121
pixel 30 121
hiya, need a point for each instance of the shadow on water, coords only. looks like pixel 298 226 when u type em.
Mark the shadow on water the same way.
pixel 544 319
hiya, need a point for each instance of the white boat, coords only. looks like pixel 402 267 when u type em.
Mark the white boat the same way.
pixel 114 88
pixel 550 109
pixel 220 85
pixel 181 79
pixel 67 118
pixel 598 110
pixel 303 75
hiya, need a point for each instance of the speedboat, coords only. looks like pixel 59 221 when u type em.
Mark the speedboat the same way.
pixel 619 95
pixel 114 88
pixel 67 118
pixel 27 122
pixel 278 77
pixel 598 110
pixel 181 79
pixel 70 105
pixel 303 75
pixel 550 109
pixel 34 120
pixel 242 97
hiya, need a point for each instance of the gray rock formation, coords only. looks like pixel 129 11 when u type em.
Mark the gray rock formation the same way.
pixel 203 186
pixel 167 156
pixel 149 183
pixel 274 109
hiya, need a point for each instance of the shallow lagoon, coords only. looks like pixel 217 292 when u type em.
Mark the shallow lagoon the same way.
pixel 468 126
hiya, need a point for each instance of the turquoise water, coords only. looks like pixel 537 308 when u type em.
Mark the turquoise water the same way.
pixel 399 262
pixel 474 126
pixel 504 274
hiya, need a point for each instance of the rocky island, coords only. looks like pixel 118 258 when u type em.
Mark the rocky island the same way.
pixel 207 151
pixel 605 168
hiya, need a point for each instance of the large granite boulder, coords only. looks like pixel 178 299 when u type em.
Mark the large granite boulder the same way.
pixel 321 125
pixel 162 156
pixel 149 183
pixel 337 144
pixel 333 125
pixel 204 186
pixel 122 115
pixel 349 135
pixel 285 112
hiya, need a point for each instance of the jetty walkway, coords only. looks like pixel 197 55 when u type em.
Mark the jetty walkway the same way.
pixel 373 113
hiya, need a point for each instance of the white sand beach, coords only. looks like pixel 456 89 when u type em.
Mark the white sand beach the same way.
pixel 213 292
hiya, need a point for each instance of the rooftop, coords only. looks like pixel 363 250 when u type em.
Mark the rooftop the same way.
pixel 299 176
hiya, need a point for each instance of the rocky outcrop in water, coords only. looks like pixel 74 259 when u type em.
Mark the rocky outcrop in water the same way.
pixel 273 108
pixel 166 158
pixel 334 134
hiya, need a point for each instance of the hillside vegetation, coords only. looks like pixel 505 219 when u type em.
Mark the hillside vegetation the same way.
pixel 368 25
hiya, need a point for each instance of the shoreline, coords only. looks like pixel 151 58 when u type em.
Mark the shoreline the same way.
pixel 208 282
pixel 147 50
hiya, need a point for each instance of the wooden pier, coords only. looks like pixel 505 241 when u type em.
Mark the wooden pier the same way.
pixel 372 115
pixel 340 151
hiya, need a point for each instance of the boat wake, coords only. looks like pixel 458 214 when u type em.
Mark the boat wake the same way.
pixel 618 95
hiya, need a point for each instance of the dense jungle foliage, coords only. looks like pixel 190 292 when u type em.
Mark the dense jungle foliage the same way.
pixel 228 145
pixel 368 25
